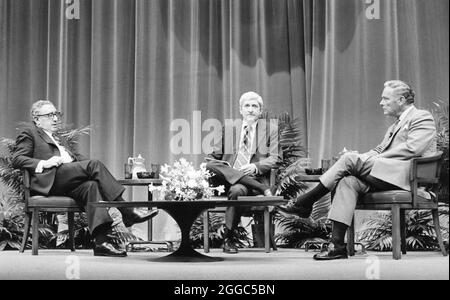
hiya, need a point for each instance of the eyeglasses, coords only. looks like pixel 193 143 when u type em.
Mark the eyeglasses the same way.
pixel 51 115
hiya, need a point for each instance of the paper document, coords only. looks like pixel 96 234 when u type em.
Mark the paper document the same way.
pixel 218 161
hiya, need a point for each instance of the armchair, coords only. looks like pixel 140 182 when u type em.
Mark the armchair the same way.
pixel 424 170
pixel 36 204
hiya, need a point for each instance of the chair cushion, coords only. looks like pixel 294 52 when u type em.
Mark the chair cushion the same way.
pixel 388 197
pixel 52 201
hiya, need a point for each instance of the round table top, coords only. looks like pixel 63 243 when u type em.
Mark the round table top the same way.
pixel 246 201
pixel 143 181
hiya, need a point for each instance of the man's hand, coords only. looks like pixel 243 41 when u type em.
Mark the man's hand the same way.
pixel 53 161
pixel 249 169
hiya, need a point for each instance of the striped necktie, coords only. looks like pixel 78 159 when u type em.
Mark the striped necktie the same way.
pixel 243 156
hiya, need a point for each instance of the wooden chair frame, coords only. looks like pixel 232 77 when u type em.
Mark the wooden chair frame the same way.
pixel 36 204
pixel 424 170
pixel 269 230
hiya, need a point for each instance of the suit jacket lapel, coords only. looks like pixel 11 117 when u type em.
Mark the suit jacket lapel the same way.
pixel 400 125
pixel 260 131
pixel 403 122
pixel 237 138
pixel 44 136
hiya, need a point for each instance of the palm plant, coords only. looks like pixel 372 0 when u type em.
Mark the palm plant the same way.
pixel 297 231
pixel 11 222
pixel 216 232
pixel 289 134
pixel 10 177
pixel 420 233
pixel 440 113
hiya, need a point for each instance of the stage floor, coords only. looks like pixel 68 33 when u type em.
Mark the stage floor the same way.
pixel 248 264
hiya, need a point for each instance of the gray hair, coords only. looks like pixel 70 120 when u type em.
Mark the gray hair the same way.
pixel 37 105
pixel 400 88
pixel 251 96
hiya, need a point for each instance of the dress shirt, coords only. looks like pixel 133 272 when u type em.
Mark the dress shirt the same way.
pixel 62 151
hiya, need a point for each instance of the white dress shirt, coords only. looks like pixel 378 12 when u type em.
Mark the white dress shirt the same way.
pixel 62 152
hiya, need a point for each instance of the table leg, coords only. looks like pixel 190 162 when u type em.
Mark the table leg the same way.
pixel 150 222
pixel 185 215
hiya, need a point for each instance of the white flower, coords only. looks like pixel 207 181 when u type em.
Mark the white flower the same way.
pixel 191 183
pixel 182 182
pixel 220 189
pixel 205 184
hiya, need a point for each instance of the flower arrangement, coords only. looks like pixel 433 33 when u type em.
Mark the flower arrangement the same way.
pixel 182 182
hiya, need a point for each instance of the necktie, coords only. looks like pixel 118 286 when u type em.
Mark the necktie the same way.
pixel 244 151
pixel 68 155
pixel 56 138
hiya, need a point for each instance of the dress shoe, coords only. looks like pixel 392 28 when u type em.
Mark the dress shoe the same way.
pixel 333 252
pixel 108 249
pixel 229 247
pixel 292 209
pixel 138 217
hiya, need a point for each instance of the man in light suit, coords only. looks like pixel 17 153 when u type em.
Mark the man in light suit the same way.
pixel 385 167
pixel 242 159
pixel 56 170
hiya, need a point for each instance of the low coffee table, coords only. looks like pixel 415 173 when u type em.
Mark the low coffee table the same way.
pixel 185 213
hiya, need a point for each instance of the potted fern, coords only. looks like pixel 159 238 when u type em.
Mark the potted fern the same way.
pixel 297 231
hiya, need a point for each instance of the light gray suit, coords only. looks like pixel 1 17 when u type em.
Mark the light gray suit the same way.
pixel 385 167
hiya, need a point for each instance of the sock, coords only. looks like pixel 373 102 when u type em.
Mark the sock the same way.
pixel 309 198
pixel 338 233
pixel 101 233
pixel 253 184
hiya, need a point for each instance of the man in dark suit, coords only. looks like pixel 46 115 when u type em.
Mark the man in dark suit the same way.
pixel 242 159
pixel 55 170
pixel 385 167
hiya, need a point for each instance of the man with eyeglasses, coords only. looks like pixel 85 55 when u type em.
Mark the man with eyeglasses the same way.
pixel 385 167
pixel 57 170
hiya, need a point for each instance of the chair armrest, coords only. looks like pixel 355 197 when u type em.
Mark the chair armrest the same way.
pixel 424 170
pixel 26 178
pixel 26 188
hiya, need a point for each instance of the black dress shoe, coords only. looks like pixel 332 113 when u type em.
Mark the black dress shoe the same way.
pixel 229 247
pixel 108 249
pixel 292 209
pixel 333 252
pixel 138 217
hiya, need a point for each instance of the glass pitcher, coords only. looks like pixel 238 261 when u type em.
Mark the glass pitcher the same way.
pixel 137 165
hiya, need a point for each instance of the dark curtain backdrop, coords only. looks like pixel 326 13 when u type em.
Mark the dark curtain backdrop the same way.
pixel 129 68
